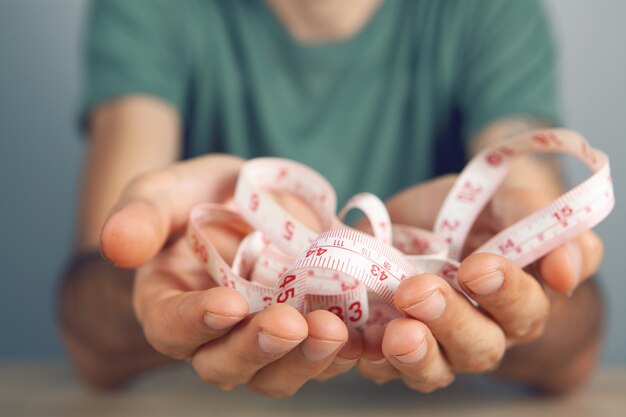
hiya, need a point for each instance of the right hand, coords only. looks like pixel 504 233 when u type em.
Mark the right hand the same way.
pixel 186 316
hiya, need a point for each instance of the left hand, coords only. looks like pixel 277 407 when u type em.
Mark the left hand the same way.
pixel 442 333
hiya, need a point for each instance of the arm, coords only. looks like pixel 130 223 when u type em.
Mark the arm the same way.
pixel 565 355
pixel 179 310
pixel 527 328
pixel 512 65
pixel 105 342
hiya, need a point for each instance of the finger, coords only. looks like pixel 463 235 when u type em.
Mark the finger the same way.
pixel 259 340
pixel 373 365
pixel 567 267
pixel 282 378
pixel 471 341
pixel 411 348
pixel 156 205
pixel 181 321
pixel 181 311
pixel 178 325
pixel 346 358
pixel 514 299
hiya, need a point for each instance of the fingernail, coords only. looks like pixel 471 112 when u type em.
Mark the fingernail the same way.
pixel 377 362
pixel 102 254
pixel 576 261
pixel 316 349
pixel 486 284
pixel 274 344
pixel 415 356
pixel 344 361
pixel 428 309
pixel 219 322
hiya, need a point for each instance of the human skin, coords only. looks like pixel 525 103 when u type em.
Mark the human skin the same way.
pixel 135 202
pixel 172 295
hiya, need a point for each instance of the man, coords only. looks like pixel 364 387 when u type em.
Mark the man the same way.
pixel 377 96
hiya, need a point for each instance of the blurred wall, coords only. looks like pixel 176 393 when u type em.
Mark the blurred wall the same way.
pixel 592 36
pixel 40 151
pixel 40 155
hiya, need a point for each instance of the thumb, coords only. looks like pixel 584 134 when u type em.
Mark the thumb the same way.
pixel 155 206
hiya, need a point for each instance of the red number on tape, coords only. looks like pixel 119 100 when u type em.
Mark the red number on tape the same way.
pixel 200 249
pixel 449 225
pixel 377 272
pixel 287 280
pixel 355 309
pixel 469 192
pixel 547 139
pixel 563 214
pixel 318 252
pixel 338 311
pixel 421 245
pixel 288 230
pixel 254 202
pixel 286 295
pixel 508 246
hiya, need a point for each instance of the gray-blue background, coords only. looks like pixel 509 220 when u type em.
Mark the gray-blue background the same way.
pixel 40 152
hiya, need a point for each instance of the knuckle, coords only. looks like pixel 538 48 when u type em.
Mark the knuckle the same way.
pixel 221 378
pixel 486 356
pixel 530 331
pixel 152 334
pixel 431 385
pixel 148 182
pixel 336 369
pixel 424 388
pixel 156 334
pixel 532 326
pixel 209 378
pixel 535 333
pixel 325 375
pixel 226 387
pixel 377 378
pixel 272 392
pixel 164 348
pixel 593 243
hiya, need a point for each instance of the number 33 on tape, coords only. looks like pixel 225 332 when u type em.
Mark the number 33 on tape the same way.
pixel 282 260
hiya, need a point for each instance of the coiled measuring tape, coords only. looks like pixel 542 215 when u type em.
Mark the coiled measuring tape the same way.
pixel 281 260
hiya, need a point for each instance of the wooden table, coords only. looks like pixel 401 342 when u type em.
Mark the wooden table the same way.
pixel 31 389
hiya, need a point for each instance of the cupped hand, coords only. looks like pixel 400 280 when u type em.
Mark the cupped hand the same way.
pixel 186 316
pixel 441 333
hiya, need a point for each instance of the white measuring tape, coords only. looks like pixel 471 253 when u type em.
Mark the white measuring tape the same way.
pixel 281 260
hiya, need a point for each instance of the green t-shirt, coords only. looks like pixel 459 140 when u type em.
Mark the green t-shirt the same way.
pixel 388 108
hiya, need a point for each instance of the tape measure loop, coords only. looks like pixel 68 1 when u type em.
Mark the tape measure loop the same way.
pixel 282 260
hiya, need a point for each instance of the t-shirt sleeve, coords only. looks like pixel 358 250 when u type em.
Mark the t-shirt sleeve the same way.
pixel 508 66
pixel 131 47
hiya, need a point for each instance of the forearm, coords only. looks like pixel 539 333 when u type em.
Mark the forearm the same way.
pixel 565 355
pixel 98 326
